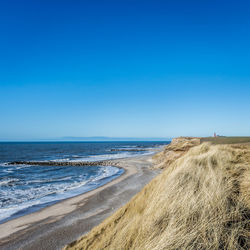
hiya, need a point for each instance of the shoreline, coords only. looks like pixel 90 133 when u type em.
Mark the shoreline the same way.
pixel 55 226
pixel 36 208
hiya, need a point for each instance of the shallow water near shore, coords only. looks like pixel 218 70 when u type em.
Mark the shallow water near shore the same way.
pixel 25 189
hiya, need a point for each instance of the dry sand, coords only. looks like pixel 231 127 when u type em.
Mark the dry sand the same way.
pixel 55 226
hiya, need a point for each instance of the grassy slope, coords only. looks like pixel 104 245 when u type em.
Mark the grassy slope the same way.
pixel 177 148
pixel 200 201
pixel 226 140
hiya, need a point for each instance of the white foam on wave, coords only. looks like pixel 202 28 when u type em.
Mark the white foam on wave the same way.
pixel 10 167
pixel 104 157
pixel 105 172
pixel 42 194
pixel 7 170
pixel 8 181
pixel 48 180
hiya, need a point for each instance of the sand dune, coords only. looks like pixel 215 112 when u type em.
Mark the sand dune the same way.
pixel 200 201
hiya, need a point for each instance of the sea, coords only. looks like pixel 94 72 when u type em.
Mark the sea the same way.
pixel 28 188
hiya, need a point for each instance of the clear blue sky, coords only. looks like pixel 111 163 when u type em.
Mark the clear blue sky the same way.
pixel 124 68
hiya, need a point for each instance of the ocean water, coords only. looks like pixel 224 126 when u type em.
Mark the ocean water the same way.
pixel 25 188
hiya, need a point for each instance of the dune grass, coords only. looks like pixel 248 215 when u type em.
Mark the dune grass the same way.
pixel 177 148
pixel 200 201
pixel 226 139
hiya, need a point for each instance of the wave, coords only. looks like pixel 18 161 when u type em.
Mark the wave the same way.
pixel 8 181
pixel 118 153
pixel 104 157
pixel 14 202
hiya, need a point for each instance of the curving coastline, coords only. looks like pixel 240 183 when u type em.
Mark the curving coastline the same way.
pixel 55 226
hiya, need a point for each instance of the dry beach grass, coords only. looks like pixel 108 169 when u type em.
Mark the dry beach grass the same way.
pixel 177 148
pixel 200 201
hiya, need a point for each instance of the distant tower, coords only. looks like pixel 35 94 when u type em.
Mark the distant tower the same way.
pixel 215 134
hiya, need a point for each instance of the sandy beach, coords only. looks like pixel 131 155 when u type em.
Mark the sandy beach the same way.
pixel 55 226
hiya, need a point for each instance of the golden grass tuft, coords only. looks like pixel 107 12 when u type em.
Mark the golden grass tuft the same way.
pixel 200 201
pixel 178 147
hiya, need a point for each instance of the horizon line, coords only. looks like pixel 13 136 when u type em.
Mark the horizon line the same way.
pixel 89 139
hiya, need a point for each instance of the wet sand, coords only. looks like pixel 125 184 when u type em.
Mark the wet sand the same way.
pixel 58 225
